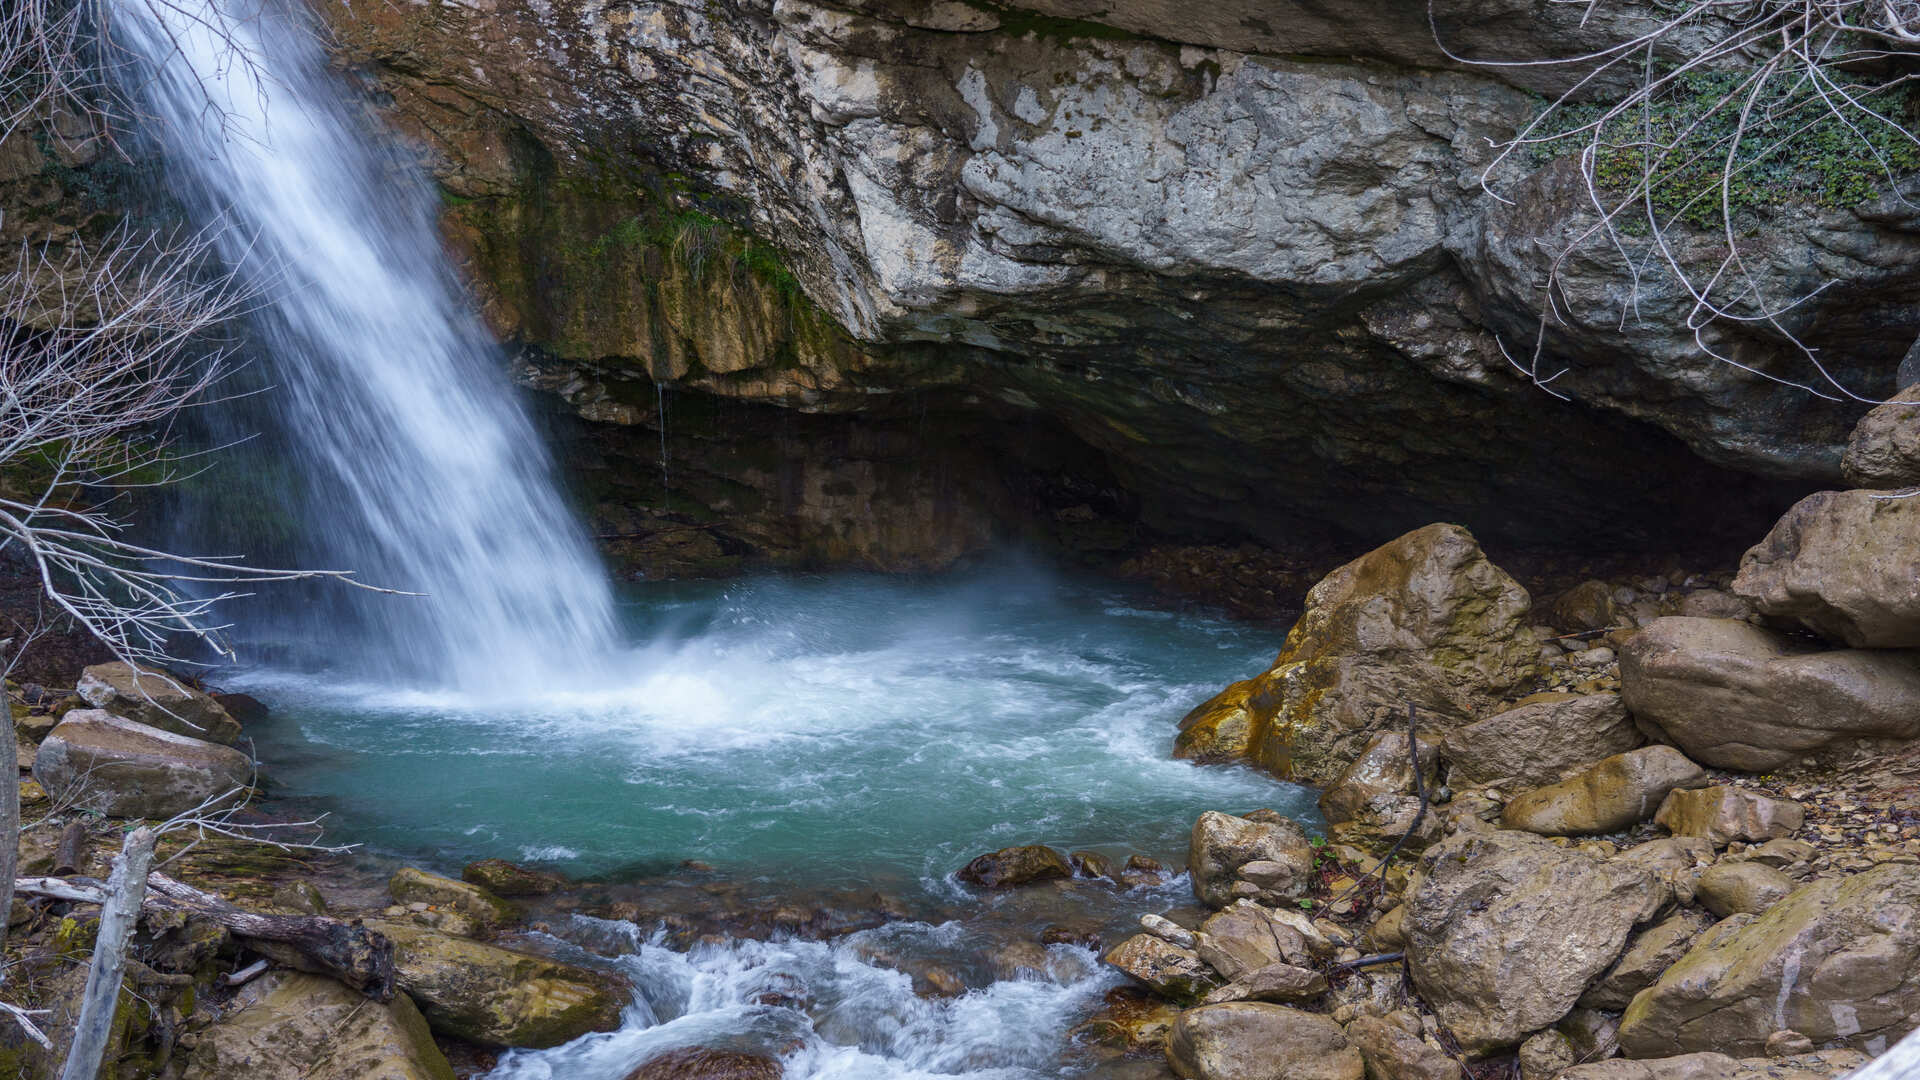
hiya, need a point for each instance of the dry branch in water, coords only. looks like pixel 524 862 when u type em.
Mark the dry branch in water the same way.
pixel 1783 73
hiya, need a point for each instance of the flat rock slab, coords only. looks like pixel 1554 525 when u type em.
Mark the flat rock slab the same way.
pixel 157 700
pixel 288 1025
pixel 1735 696
pixel 1837 960
pixel 122 768
pixel 1613 794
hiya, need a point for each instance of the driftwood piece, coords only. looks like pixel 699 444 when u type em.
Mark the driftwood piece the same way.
pixel 72 851
pixel 119 909
pixel 354 955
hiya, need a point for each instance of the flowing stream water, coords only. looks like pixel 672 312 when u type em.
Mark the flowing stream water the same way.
pixel 800 735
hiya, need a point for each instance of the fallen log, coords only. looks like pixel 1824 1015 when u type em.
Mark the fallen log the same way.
pixel 354 955
pixel 72 851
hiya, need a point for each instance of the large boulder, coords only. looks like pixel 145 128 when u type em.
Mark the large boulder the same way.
pixel 288 1025
pixel 122 768
pixel 1425 620
pixel 1841 563
pixel 1221 844
pixel 1884 451
pixel 1742 887
pixel 1722 814
pixel 1026 864
pixel 1220 729
pixel 500 997
pixel 1542 738
pixel 476 904
pixel 1506 930
pixel 1838 961
pixel 1254 1041
pixel 157 700
pixel 1735 696
pixel 1614 794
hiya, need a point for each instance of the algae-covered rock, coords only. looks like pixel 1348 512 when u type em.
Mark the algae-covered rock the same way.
pixel 1722 814
pixel 288 1025
pixel 501 997
pixel 503 878
pixel 1220 729
pixel 1837 960
pixel 158 700
pixel 1424 620
pixel 487 911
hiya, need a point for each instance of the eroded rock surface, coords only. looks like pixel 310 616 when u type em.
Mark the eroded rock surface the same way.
pixel 288 1025
pixel 1841 563
pixel 158 700
pixel 1542 738
pixel 1253 1041
pixel 1736 696
pixel 1222 844
pixel 1610 795
pixel 121 768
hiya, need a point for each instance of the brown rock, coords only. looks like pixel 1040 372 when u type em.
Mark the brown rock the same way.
pixel 1221 844
pixel 503 878
pixel 1838 960
pixel 122 768
pixel 706 1063
pixel 1506 930
pixel 288 1025
pixel 1735 696
pixel 1383 768
pixel 1676 863
pixel 1163 967
pixel 1545 1055
pixel 1540 740
pixel 1011 867
pixel 1884 451
pixel 1841 563
pixel 1425 619
pixel 1246 937
pixel 158 700
pixel 1393 1050
pixel 1737 888
pixel 1252 1041
pixel 1650 952
pixel 501 997
pixel 1722 814
pixel 1281 984
pixel 1587 606
pixel 1825 1065
pixel 1611 795
pixel 486 911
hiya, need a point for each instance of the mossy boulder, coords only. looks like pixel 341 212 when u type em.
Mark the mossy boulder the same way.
pixel 1220 729
pixel 503 878
pixel 1425 620
pixel 485 910
pixel 289 1025
pixel 122 768
pixel 501 997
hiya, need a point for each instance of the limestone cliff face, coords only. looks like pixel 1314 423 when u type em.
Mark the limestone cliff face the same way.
pixel 1238 253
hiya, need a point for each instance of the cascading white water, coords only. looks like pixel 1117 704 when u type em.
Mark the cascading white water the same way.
pixel 420 469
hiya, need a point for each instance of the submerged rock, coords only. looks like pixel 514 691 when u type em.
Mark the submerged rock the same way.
pixel 1252 1041
pixel 706 1063
pixel 122 768
pixel 1222 844
pixel 288 1025
pixel 1841 563
pixel 1837 960
pixel 1735 696
pixel 1425 620
pixel 1011 867
pixel 157 700
pixel 503 878
pixel 1614 794
pixel 500 997
pixel 1507 929
pixel 1542 738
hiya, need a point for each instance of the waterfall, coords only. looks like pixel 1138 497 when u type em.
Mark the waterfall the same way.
pixel 415 462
